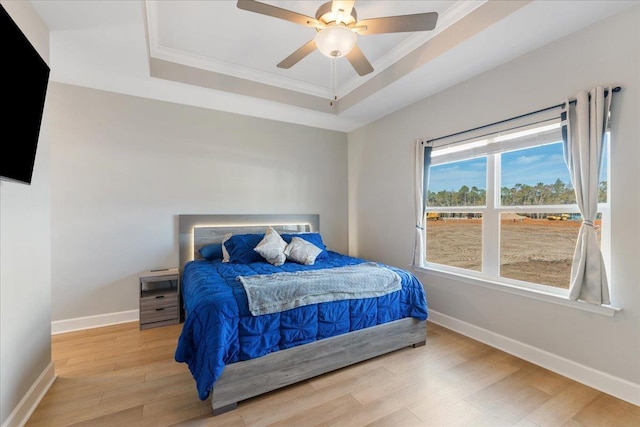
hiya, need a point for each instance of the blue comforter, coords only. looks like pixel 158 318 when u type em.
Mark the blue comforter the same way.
pixel 219 329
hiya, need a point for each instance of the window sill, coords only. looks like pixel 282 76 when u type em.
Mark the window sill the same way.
pixel 604 310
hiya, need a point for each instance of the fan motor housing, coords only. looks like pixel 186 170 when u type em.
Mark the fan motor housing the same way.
pixel 324 14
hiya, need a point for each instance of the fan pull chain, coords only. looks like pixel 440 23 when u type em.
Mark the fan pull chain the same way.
pixel 334 80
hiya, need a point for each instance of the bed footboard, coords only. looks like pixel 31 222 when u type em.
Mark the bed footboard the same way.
pixel 242 380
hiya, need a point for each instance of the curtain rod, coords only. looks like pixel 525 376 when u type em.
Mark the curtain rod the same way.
pixel 606 92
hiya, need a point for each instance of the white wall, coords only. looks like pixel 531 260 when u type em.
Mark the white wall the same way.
pixel 381 204
pixel 123 168
pixel 25 256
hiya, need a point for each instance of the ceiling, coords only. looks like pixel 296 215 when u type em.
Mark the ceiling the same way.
pixel 212 54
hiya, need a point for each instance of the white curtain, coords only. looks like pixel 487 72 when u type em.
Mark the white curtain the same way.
pixel 584 125
pixel 421 183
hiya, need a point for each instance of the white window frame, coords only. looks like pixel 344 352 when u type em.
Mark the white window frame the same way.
pixel 491 147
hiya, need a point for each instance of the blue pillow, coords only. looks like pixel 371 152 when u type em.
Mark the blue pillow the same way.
pixel 240 248
pixel 211 252
pixel 314 238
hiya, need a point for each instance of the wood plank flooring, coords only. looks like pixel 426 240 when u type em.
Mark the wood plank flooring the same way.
pixel 121 376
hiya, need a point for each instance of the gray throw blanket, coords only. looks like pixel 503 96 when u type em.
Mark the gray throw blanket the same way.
pixel 271 293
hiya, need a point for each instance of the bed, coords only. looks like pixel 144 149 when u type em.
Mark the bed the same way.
pixel 234 355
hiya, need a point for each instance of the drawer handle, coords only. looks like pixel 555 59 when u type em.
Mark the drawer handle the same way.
pixel 159 296
pixel 159 309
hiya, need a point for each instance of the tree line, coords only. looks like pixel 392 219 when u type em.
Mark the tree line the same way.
pixel 557 193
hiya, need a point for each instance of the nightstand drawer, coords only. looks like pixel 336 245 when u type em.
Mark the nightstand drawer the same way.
pixel 158 301
pixel 159 314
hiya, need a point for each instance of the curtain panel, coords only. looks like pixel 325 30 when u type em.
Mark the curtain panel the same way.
pixel 421 185
pixel 584 124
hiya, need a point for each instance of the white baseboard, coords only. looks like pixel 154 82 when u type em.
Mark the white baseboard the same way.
pixel 615 386
pixel 88 322
pixel 29 402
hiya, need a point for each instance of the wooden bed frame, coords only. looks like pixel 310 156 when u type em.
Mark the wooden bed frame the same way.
pixel 250 378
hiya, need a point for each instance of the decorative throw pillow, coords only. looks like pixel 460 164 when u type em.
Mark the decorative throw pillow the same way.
pixel 211 252
pixel 225 252
pixel 314 238
pixel 302 251
pixel 240 248
pixel 272 247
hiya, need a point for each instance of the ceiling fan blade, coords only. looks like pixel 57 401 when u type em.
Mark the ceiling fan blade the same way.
pixel 358 61
pixel 276 12
pixel 343 7
pixel 399 24
pixel 296 56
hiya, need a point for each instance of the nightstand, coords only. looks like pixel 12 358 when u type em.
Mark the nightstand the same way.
pixel 159 298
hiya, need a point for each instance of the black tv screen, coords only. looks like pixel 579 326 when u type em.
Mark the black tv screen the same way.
pixel 24 77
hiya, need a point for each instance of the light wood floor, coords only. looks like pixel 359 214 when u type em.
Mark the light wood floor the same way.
pixel 120 376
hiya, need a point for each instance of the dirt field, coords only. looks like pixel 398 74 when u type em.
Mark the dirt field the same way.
pixel 533 250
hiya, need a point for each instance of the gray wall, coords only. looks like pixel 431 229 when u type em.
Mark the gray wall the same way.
pixel 381 199
pixel 25 254
pixel 123 168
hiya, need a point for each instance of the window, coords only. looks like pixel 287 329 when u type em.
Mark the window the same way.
pixel 502 207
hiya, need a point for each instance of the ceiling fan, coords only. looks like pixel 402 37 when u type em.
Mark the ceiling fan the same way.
pixel 337 26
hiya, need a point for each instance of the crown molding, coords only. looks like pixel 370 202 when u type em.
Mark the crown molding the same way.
pixel 234 70
pixel 453 14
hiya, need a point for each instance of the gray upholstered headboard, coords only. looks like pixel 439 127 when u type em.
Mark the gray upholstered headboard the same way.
pixel 196 231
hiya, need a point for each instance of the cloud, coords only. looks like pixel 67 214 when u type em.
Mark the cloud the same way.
pixel 526 160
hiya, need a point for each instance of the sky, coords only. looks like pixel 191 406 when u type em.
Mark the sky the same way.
pixel 529 166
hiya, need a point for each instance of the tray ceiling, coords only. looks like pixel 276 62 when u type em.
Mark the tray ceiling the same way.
pixel 214 55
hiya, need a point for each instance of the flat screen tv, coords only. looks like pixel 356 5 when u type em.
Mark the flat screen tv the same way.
pixel 24 77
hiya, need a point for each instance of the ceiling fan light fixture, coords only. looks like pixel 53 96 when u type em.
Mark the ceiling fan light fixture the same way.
pixel 337 24
pixel 335 41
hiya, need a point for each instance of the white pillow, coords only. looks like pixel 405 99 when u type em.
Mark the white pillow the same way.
pixel 271 247
pixel 225 253
pixel 301 251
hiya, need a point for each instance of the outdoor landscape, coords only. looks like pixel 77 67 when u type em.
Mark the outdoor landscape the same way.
pixel 532 250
